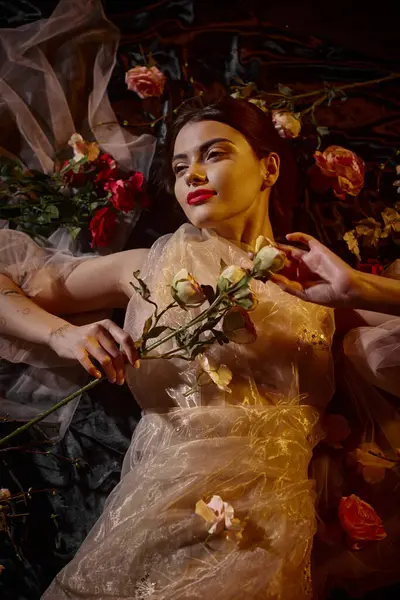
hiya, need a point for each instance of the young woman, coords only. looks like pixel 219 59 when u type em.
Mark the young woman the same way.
pixel 252 446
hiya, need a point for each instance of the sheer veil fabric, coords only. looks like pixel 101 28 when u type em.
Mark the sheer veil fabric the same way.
pixel 252 447
pixel 53 82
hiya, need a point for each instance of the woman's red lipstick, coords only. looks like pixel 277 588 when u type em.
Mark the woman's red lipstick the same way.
pixel 199 196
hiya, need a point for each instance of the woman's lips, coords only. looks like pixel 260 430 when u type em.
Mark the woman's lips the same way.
pixel 199 197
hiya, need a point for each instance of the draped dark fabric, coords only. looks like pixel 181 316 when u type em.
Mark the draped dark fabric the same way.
pixel 205 45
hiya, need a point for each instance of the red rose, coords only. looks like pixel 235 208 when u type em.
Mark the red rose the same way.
pixel 107 167
pixel 360 521
pixel 345 167
pixel 74 179
pixel 125 192
pixel 145 82
pixel 102 227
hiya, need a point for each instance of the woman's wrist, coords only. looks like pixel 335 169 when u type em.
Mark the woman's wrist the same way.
pixel 375 293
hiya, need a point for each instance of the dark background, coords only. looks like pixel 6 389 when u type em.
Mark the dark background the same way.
pixel 299 44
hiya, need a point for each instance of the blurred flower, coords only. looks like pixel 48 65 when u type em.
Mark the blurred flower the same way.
pixel 82 148
pixel 238 327
pixel 229 277
pixel 4 493
pixel 373 466
pixel 260 103
pixel 145 81
pixel 124 191
pixel 102 227
pixel 107 167
pixel 391 219
pixel 267 259
pixel 352 243
pixel 218 374
pixel 337 429
pixel 219 515
pixel 345 167
pixel 287 124
pixel 186 290
pixel 360 521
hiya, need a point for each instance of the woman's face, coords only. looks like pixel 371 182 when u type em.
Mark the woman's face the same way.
pixel 217 174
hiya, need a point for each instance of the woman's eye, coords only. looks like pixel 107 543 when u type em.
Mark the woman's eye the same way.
pixel 215 154
pixel 179 168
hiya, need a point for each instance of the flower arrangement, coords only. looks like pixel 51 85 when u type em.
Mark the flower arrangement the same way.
pixel 86 192
pixel 224 320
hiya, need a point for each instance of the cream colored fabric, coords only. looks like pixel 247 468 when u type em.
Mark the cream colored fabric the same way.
pixel 251 447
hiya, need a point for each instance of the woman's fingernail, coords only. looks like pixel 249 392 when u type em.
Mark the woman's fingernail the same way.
pixel 98 374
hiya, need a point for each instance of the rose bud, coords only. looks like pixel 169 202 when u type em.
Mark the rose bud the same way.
pixel 186 290
pixel 268 259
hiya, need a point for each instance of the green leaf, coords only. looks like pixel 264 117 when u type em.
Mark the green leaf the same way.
pixel 285 90
pixel 94 205
pixel 323 130
pixel 147 325
pixel 209 293
pixel 156 331
pixel 74 231
pixel 53 211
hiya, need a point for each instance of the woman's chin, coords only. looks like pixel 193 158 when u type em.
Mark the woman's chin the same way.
pixel 204 217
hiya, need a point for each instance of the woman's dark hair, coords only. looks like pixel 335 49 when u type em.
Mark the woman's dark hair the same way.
pixel 257 127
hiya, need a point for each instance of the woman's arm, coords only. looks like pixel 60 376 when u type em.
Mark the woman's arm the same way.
pixel 96 283
pixel 318 275
pixel 22 318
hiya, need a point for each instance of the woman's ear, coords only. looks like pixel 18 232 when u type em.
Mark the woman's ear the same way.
pixel 269 170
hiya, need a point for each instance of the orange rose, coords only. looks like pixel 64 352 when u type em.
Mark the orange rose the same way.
pixel 345 167
pixel 360 521
pixel 286 123
pixel 145 82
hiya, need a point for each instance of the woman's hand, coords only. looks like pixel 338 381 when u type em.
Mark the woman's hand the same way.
pixel 99 341
pixel 317 275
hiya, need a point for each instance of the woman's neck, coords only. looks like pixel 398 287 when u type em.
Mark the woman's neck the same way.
pixel 244 229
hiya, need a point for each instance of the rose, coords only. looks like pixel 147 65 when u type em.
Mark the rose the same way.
pixel 221 375
pixel 186 290
pixel 219 515
pixel 71 178
pixel 287 124
pixel 102 227
pixel 336 428
pixel 123 192
pixel 267 259
pixel 5 494
pixel 82 148
pixel 145 81
pixel 238 327
pixel 107 167
pixel 229 277
pixel 370 462
pixel 258 102
pixel 345 167
pixel 360 521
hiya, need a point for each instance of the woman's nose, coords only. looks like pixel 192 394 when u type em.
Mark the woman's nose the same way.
pixel 195 174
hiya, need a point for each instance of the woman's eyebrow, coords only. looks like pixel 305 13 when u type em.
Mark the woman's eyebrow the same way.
pixel 204 147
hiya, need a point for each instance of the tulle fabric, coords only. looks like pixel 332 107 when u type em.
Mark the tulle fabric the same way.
pixel 53 82
pixel 252 447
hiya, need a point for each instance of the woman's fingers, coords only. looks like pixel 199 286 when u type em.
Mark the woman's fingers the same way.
pixel 103 358
pixel 83 358
pixel 126 343
pixel 292 287
pixel 304 238
pixel 108 343
pixel 292 252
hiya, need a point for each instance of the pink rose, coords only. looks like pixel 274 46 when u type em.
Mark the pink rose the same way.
pixel 145 82
pixel 124 192
pixel 102 227
pixel 286 123
pixel 345 167
pixel 360 521
pixel 5 494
